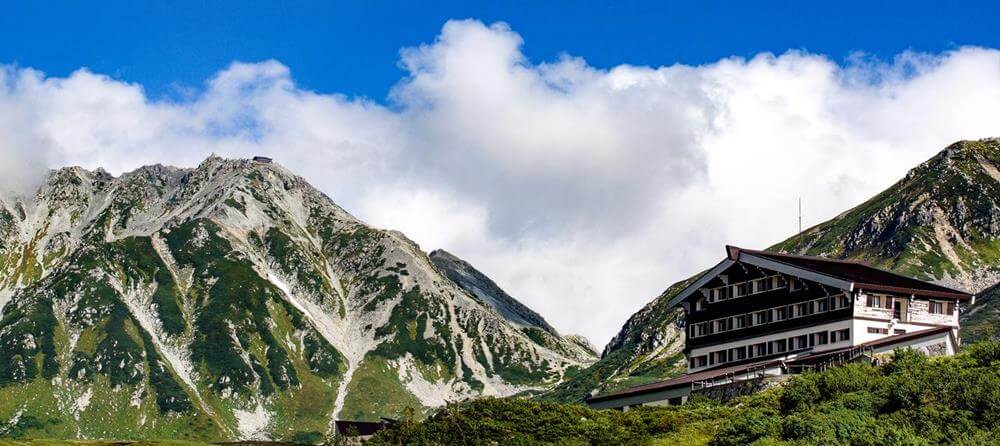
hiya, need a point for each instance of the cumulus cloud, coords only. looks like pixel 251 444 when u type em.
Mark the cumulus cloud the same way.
pixel 582 191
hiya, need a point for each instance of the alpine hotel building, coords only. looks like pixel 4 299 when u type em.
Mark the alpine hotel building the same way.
pixel 758 314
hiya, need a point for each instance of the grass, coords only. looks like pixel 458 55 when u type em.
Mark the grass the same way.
pixel 376 391
pixel 913 400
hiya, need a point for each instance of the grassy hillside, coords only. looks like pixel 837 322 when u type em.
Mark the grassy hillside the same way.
pixel 983 319
pixel 913 400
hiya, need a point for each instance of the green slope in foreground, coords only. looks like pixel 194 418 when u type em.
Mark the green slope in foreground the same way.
pixel 913 400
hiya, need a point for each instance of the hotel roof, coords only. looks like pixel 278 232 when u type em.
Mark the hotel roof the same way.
pixel 843 274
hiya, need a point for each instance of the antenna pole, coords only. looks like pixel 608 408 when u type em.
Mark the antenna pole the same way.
pixel 800 215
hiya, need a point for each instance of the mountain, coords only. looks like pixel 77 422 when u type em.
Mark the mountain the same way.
pixel 532 324
pixel 234 301
pixel 941 222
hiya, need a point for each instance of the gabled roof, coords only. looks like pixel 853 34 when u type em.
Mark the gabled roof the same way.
pixel 861 275
pixel 841 274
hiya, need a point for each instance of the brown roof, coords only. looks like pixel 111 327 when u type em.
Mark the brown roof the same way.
pixel 682 380
pixel 715 373
pixel 905 337
pixel 864 276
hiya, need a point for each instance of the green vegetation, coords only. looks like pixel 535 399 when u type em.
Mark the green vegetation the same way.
pixel 295 261
pixel 982 321
pixel 913 400
pixel 630 359
pixel 234 313
pixel 407 325
pixel 376 391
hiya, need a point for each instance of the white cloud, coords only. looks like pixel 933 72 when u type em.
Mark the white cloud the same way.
pixel 583 192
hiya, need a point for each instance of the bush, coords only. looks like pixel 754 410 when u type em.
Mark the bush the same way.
pixel 799 393
pixel 749 426
pixel 913 400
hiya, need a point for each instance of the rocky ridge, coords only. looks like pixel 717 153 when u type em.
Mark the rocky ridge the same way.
pixel 232 301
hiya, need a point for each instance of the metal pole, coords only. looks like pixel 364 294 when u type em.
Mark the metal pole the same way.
pixel 800 215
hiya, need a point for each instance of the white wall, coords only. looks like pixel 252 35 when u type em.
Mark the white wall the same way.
pixel 916 310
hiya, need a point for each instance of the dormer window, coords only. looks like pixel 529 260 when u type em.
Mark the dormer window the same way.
pixel 794 285
pixel 720 293
pixel 700 305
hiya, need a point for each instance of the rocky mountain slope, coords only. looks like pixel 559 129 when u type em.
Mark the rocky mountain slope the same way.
pixel 941 222
pixel 233 301
pixel 532 324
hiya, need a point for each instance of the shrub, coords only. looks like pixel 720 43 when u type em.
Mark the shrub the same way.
pixel 913 400
pixel 799 393
pixel 749 426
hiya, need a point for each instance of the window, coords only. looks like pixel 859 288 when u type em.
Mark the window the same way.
pixel 897 331
pixel 843 301
pixel 720 293
pixel 820 338
pixel 699 361
pixel 741 321
pixel 936 307
pixel 702 329
pixel 781 282
pixel 741 353
pixel 700 305
pixel 760 349
pixel 822 306
pixel 720 325
pixel 743 289
pixel 876 330
pixel 794 285
pixel 840 335
pixel 803 309
pixel 720 356
pixel 801 341
pixel 874 301
pixel 779 346
pixel 765 284
pixel 780 314
pixel 878 301
pixel 760 318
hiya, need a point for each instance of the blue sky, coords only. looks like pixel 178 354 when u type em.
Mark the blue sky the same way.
pixel 583 185
pixel 353 47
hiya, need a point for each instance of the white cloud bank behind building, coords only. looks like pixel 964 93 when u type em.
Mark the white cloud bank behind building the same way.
pixel 584 192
